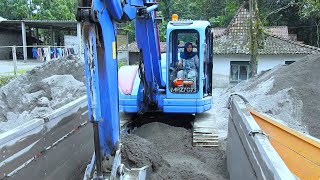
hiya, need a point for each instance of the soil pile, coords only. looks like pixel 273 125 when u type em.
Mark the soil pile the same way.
pixel 289 93
pixel 41 90
pixel 169 152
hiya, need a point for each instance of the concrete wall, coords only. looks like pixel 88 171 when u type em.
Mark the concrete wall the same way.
pixel 72 42
pixel 251 156
pixel 221 65
pixel 221 68
pixel 9 38
pixel 269 61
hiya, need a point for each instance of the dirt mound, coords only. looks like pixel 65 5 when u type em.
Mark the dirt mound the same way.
pixel 170 149
pixel 289 93
pixel 41 90
pixel 138 152
pixel 304 78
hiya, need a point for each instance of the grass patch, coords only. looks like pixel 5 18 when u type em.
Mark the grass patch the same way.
pixel 21 71
pixel 4 79
pixel 121 63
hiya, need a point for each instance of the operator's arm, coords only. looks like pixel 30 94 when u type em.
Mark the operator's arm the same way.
pixel 196 60
pixel 180 63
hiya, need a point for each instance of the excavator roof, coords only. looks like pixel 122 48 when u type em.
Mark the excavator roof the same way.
pixel 188 24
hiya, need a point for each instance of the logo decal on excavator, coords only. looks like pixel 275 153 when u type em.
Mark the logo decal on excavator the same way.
pixel 183 89
pixel 114 50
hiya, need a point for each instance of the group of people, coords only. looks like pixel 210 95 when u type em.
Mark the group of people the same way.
pixel 44 54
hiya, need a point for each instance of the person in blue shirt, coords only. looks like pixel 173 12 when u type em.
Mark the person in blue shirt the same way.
pixel 188 63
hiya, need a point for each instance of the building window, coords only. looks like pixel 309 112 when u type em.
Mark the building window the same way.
pixel 288 62
pixel 239 71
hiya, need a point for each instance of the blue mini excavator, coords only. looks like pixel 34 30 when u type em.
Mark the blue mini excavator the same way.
pixel 152 86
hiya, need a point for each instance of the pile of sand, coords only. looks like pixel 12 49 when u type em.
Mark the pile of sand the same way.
pixel 169 152
pixel 289 93
pixel 40 91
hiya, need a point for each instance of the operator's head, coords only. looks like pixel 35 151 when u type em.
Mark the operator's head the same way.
pixel 188 51
pixel 188 47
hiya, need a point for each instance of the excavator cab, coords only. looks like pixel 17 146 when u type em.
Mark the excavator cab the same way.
pixel 186 73
pixel 188 77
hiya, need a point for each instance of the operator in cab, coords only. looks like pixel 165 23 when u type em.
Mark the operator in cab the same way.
pixel 188 62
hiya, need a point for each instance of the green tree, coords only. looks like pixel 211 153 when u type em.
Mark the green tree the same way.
pixel 38 9
pixel 310 8
pixel 301 16
pixel 223 18
pixel 14 9
pixel 54 10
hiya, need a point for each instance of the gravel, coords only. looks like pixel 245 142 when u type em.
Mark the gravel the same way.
pixel 40 91
pixel 289 93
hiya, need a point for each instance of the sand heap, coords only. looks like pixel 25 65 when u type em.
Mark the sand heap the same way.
pixel 168 151
pixel 40 91
pixel 289 93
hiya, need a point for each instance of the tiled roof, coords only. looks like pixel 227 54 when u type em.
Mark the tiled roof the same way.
pixel 235 39
pixel 281 31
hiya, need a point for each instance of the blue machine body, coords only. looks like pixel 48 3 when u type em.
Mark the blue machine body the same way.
pixel 166 100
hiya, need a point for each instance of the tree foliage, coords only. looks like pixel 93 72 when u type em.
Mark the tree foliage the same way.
pixel 54 9
pixel 38 9
pixel 310 8
pixel 216 11
pixel 14 9
pixel 301 16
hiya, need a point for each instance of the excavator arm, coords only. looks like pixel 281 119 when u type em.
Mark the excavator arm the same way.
pixel 99 18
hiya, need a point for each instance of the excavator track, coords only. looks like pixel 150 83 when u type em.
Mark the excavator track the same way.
pixel 204 131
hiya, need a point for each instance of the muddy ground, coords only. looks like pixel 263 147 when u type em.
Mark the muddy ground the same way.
pixel 169 152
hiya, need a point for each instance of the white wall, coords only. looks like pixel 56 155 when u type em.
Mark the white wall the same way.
pixel 72 42
pixel 221 65
pixel 266 62
pixel 221 68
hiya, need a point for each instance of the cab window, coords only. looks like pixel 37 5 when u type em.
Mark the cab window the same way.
pixel 184 61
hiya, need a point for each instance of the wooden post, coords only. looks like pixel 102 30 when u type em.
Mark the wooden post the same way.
pixel 49 54
pixel 53 36
pixel 14 56
pixel 37 36
pixel 24 40
pixel 80 48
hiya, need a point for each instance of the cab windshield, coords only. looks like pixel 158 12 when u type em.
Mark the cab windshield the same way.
pixel 184 61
